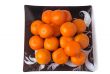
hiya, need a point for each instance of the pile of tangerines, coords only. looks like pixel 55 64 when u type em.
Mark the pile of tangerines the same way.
pixel 59 38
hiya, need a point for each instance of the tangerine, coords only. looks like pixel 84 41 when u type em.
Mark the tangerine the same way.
pixel 36 42
pixel 80 24
pixel 43 56
pixel 56 31
pixel 83 40
pixel 45 31
pixel 79 59
pixel 68 15
pixel 68 29
pixel 46 16
pixel 64 41
pixel 35 25
pixel 58 17
pixel 51 43
pixel 59 56
pixel 72 48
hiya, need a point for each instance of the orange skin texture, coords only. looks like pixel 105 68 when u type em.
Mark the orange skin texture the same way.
pixel 79 59
pixel 58 17
pixel 35 25
pixel 64 41
pixel 56 31
pixel 83 40
pixel 36 42
pixel 80 24
pixel 68 29
pixel 51 43
pixel 72 48
pixel 46 16
pixel 45 31
pixel 59 56
pixel 67 15
pixel 43 56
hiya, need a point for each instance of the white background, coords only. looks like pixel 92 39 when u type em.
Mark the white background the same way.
pixel 12 33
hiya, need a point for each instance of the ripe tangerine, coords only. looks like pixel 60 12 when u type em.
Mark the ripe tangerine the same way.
pixel 45 31
pixel 64 41
pixel 56 30
pixel 79 59
pixel 68 15
pixel 43 56
pixel 57 17
pixel 51 43
pixel 59 56
pixel 36 42
pixel 83 40
pixel 46 16
pixel 35 26
pixel 72 48
pixel 80 24
pixel 68 29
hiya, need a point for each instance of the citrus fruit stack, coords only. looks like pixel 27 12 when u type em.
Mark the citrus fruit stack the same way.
pixel 59 38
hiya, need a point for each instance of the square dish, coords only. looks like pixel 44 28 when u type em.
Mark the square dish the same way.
pixel 35 12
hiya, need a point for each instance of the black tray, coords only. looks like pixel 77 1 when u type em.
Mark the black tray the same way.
pixel 34 12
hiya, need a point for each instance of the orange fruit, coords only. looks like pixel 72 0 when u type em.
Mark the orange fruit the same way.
pixel 35 25
pixel 46 16
pixel 57 17
pixel 43 56
pixel 56 30
pixel 64 41
pixel 68 29
pixel 79 59
pixel 68 15
pixel 80 24
pixel 59 56
pixel 45 31
pixel 36 42
pixel 83 40
pixel 51 43
pixel 72 48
